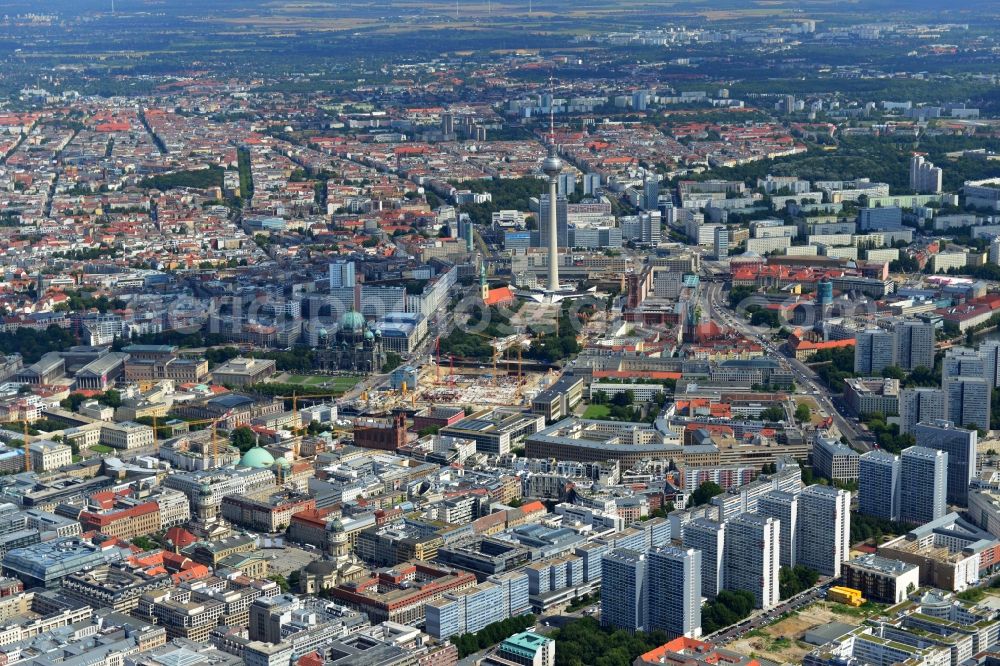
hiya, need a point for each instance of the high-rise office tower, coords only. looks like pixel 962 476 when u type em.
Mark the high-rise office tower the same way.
pixel 878 485
pixel 874 349
pixel 562 226
pixel 919 404
pixel 990 353
pixel 342 274
pixel 567 184
pixel 785 508
pixel 753 560
pixel 624 589
pixel 915 345
pixel 960 445
pixel 963 362
pixel 674 596
pixel 708 537
pixel 967 401
pixel 447 124
pixel 925 178
pixel 923 484
pixel 788 102
pixel 721 242
pixel 824 529
pixel 650 193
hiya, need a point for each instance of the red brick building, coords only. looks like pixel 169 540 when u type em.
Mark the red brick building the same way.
pixel 381 434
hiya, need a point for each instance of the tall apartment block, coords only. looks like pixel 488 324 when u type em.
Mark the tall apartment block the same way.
pixel 967 401
pixel 878 485
pixel 963 362
pixel 925 178
pixel 744 499
pixel 960 445
pixel 824 529
pixel 342 274
pixel 874 350
pixel 623 590
pixel 709 537
pixel 919 404
pixel 990 353
pixel 753 545
pixel 674 596
pixel 785 508
pixel 981 362
pixel 915 345
pixel 923 484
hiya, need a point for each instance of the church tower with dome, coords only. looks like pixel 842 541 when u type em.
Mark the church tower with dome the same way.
pixel 343 566
pixel 354 347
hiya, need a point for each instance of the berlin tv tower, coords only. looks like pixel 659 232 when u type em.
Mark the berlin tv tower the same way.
pixel 552 167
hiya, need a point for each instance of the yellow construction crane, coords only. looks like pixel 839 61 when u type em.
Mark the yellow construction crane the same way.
pixel 295 397
pixel 27 442
pixel 214 423
pixel 496 353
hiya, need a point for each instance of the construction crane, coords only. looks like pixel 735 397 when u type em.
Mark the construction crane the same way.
pixel 437 365
pixel 295 397
pixel 27 442
pixel 213 423
pixel 496 353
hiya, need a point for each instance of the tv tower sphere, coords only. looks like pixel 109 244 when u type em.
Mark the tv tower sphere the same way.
pixel 552 166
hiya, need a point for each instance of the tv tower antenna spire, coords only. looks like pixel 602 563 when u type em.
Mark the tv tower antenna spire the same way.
pixel 552 112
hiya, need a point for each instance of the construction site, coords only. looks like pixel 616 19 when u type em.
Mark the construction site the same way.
pixel 503 380
pixel 475 386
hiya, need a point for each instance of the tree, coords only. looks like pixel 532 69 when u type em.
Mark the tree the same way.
pixel 802 413
pixel 584 641
pixel 392 361
pixel 864 527
pixel 491 634
pixel 111 398
pixel 145 543
pixel 772 414
pixel 728 608
pixel 704 493
pixel 243 438
pixel 623 398
pixel 792 580
pixel 283 584
pixel 921 376
pixel 72 402
pixel 894 372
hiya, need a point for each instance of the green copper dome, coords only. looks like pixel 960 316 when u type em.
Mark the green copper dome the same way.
pixel 257 458
pixel 352 320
